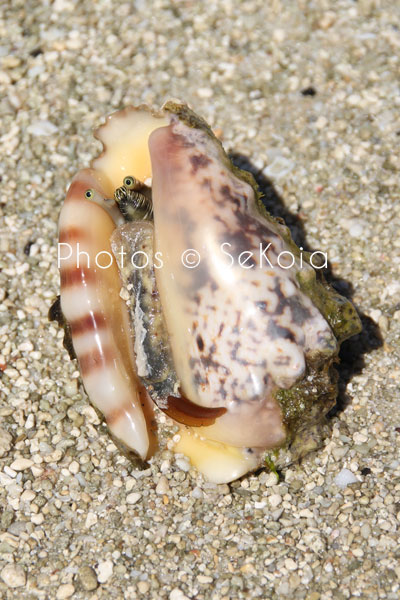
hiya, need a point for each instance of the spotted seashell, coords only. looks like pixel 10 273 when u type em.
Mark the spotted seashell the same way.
pixel 238 346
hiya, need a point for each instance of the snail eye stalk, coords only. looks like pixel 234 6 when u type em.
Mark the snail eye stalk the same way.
pixel 130 183
pixel 134 201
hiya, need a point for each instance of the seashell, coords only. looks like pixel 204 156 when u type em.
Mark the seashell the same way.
pixel 227 327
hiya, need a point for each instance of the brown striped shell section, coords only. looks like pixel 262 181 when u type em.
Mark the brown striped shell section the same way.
pixel 90 301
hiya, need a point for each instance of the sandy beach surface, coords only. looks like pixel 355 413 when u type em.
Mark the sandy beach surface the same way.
pixel 307 95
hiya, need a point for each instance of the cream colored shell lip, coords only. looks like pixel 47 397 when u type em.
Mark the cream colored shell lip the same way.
pixel 236 335
pixel 124 136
